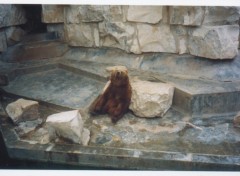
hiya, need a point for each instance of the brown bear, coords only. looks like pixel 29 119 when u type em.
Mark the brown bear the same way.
pixel 116 96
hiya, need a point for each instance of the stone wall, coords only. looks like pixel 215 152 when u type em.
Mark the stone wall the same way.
pixel 211 32
pixel 11 16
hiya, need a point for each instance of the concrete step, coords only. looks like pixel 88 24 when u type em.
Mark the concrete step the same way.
pixel 38 46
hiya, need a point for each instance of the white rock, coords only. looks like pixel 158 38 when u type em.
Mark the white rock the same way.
pixel 3 41
pixel 156 38
pixel 144 14
pixel 11 15
pixel 23 110
pixel 190 15
pixel 83 34
pixel 215 42
pixel 68 125
pixel 150 99
pixel 53 13
pixel 221 15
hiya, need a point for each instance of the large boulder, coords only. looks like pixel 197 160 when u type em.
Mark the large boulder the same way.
pixel 11 15
pixel 23 110
pixel 151 99
pixel 215 42
pixel 144 14
pixel 189 16
pixel 68 125
pixel 156 38
pixel 53 13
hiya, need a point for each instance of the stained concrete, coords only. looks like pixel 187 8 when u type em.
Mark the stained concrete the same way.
pixel 170 142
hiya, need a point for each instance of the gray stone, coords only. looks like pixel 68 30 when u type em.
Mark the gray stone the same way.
pixel 83 13
pixel 144 14
pixel 14 34
pixel 215 42
pixel 83 34
pixel 3 41
pixel 119 35
pixel 156 38
pixel 23 110
pixel 68 125
pixel 53 13
pixel 24 128
pixel 150 99
pixel 11 15
pixel 189 16
pixel 221 15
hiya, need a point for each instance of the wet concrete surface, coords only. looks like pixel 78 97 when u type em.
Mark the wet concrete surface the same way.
pixel 177 141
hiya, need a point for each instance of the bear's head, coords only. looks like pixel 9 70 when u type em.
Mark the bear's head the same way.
pixel 119 75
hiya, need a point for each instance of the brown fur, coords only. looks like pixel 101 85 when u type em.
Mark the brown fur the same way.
pixel 116 99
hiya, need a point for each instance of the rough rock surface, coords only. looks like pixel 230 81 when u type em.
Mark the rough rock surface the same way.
pixel 53 13
pixel 24 128
pixel 216 42
pixel 156 38
pixel 83 34
pixel 68 125
pixel 11 15
pixel 113 13
pixel 86 13
pixel 150 99
pixel 57 28
pixel 119 35
pixel 201 31
pixel 3 41
pixel 23 110
pixel 189 16
pixel 221 15
pixel 145 14
pixel 14 35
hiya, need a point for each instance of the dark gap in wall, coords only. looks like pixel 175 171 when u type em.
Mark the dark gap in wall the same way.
pixel 34 23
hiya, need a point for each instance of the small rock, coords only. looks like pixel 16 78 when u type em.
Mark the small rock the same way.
pixel 68 125
pixel 151 99
pixel 23 110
